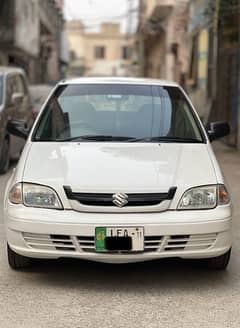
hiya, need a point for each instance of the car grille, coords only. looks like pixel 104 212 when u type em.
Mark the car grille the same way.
pixel 49 242
pixel 80 244
pixel 106 199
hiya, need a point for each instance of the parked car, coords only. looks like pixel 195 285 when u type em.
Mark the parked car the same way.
pixel 118 170
pixel 15 104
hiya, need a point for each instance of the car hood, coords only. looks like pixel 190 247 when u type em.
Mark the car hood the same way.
pixel 126 167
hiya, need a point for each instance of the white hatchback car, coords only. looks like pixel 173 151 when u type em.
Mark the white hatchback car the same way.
pixel 118 170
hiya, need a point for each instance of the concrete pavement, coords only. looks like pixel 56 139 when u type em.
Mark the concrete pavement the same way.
pixel 69 293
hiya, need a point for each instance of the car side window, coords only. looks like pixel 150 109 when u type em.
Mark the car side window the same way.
pixel 9 89
pixel 20 88
pixel 23 85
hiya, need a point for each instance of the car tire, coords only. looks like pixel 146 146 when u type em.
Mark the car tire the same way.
pixel 5 156
pixel 220 262
pixel 16 261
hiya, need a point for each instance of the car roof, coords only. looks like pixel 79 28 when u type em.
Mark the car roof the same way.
pixel 118 80
pixel 7 70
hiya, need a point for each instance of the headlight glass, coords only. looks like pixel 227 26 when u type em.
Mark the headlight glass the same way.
pixel 33 195
pixel 40 196
pixel 199 198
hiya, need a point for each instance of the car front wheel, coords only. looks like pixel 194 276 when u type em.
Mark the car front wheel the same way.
pixel 16 261
pixel 219 262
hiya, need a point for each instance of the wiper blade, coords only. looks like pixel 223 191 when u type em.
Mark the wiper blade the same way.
pixel 166 139
pixel 97 138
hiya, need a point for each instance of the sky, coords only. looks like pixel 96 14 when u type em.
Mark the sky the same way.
pixel 93 12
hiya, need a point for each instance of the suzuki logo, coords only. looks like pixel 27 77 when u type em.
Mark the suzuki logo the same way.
pixel 120 199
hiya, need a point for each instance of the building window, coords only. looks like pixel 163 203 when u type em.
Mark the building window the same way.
pixel 126 52
pixel 100 52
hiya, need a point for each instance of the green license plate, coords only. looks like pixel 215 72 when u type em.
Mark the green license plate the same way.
pixel 119 239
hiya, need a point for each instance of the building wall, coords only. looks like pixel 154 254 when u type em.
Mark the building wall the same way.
pixel 28 29
pixel 27 19
pixel 163 24
pixel 3 59
pixel 112 40
pixel 76 38
pixel 200 64
pixel 203 57
pixel 150 5
pixel 83 45
pixel 155 65
pixel 51 26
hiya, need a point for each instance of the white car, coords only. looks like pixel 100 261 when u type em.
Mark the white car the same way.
pixel 118 170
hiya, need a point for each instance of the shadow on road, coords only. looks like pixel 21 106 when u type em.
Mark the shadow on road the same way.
pixel 138 277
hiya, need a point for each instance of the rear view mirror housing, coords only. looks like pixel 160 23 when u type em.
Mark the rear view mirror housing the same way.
pixel 18 128
pixel 17 98
pixel 218 130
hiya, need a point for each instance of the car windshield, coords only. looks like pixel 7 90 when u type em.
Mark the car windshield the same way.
pixel 110 112
pixel 1 89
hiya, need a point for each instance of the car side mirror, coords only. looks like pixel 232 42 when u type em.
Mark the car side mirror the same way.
pixel 18 128
pixel 218 130
pixel 17 98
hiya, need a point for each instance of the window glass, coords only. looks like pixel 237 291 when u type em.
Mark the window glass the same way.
pixel 131 111
pixel 126 52
pixel 20 85
pixel 14 84
pixel 10 88
pixel 100 52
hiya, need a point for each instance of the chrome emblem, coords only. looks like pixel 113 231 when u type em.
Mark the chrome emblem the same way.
pixel 120 199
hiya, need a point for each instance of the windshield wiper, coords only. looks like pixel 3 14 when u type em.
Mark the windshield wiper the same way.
pixel 166 139
pixel 97 138
pixel 110 138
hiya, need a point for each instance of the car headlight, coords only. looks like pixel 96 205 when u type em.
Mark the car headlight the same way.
pixel 15 194
pixel 206 197
pixel 33 195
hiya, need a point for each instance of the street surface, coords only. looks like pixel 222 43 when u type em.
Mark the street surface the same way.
pixel 72 293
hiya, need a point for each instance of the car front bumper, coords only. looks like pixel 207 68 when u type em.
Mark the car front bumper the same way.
pixel 42 233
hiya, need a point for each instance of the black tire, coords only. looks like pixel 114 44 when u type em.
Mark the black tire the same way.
pixel 220 262
pixel 5 157
pixel 16 261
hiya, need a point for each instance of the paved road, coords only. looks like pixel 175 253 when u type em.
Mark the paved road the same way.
pixel 76 294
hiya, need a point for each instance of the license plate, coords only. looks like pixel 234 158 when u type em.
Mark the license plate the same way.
pixel 109 239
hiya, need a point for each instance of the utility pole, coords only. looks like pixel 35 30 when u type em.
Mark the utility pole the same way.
pixel 141 51
pixel 215 47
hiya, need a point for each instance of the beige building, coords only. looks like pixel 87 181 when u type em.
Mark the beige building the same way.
pixel 162 39
pixel 104 53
